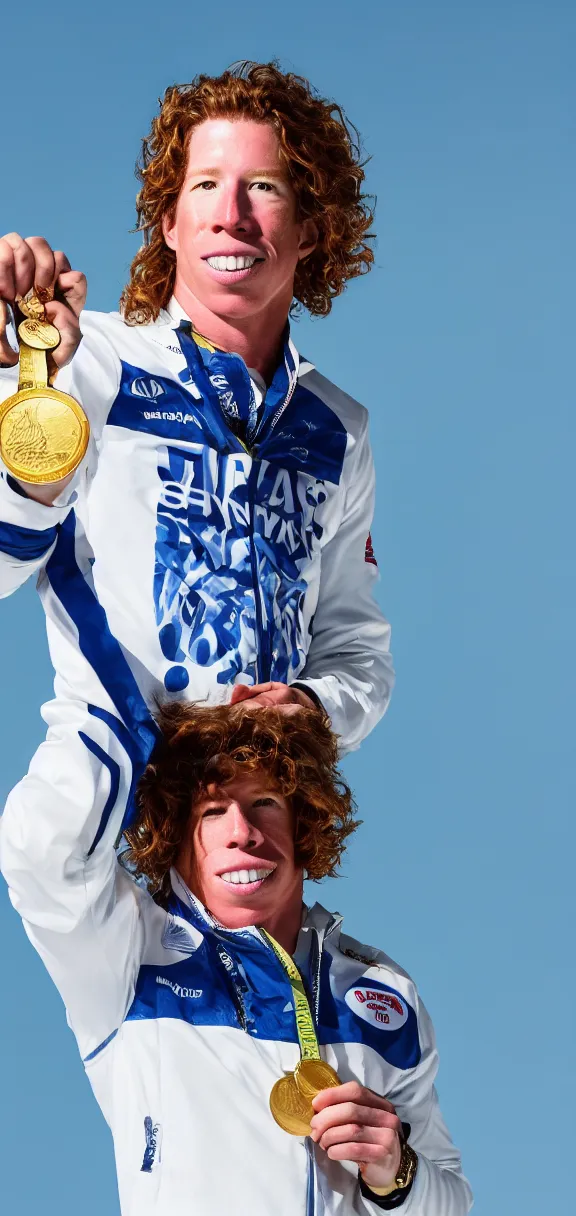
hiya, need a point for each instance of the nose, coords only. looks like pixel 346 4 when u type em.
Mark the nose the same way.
pixel 231 211
pixel 242 833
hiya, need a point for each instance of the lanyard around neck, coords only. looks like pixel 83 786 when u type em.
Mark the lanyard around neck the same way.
pixel 307 1038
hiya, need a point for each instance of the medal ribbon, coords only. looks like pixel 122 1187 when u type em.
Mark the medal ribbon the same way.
pixel 307 1038
pixel 224 380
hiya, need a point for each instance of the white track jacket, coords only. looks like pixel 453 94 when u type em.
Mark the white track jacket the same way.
pixel 180 560
pixel 184 1026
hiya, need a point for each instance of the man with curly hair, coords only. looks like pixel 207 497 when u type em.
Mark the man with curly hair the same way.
pixel 216 536
pixel 248 1055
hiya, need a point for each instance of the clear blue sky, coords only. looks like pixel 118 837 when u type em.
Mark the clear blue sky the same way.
pixel 458 344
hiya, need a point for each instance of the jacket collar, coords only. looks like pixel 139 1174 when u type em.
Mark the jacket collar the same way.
pixel 174 314
pixel 316 921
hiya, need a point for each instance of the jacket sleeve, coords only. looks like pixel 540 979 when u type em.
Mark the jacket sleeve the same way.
pixel 349 666
pixel 28 529
pixel 80 909
pixel 439 1187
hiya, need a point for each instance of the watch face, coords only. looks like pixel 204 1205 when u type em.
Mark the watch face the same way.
pixel 407 1167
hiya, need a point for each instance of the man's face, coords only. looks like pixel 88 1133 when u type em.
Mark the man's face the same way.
pixel 239 856
pixel 235 230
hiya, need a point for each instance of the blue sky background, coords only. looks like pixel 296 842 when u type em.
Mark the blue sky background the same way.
pixel 458 344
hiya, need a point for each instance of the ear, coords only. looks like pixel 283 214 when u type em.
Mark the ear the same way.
pixel 169 230
pixel 308 238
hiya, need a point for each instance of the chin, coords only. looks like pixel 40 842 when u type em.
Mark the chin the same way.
pixel 233 307
pixel 234 300
pixel 240 916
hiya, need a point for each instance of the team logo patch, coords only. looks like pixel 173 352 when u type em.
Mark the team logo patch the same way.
pixel 145 386
pixel 386 1010
pixel 369 553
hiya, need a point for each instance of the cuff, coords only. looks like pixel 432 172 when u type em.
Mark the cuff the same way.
pixel 386 1203
pixel 16 508
pixel 309 693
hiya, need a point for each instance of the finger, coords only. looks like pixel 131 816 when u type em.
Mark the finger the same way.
pixel 269 686
pixel 256 700
pixel 351 1091
pixel 241 692
pixel 45 269
pixel 61 262
pixel 7 354
pixel 369 1154
pixel 273 700
pixel 71 286
pixel 276 696
pixel 16 266
pixel 357 1133
pixel 66 323
pixel 350 1112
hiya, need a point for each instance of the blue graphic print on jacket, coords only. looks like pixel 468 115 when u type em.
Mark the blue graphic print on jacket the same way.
pixel 231 556
pixel 237 531
pixel 203 576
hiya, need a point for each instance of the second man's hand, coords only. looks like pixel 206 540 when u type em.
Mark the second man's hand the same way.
pixel 282 696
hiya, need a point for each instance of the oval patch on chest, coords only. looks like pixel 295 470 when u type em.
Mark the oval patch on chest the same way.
pixel 385 1010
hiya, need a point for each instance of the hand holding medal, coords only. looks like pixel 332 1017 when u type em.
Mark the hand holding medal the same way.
pixel 43 431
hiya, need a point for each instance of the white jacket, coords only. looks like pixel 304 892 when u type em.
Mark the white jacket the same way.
pixel 185 1027
pixel 179 562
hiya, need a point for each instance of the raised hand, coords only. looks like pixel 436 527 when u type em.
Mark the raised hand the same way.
pixel 31 262
pixel 281 696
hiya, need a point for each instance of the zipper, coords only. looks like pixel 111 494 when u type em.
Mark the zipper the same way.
pixel 314 967
pixel 252 478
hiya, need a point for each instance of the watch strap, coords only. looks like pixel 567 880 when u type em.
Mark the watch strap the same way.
pixel 393 1197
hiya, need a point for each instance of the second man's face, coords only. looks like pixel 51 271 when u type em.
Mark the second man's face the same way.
pixel 235 231
pixel 239 856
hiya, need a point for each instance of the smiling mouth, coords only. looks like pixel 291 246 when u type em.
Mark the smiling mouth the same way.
pixel 229 262
pixel 246 878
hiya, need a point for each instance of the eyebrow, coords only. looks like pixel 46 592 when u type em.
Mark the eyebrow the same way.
pixel 211 172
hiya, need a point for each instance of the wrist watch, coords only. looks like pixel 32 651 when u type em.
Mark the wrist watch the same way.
pixel 405 1173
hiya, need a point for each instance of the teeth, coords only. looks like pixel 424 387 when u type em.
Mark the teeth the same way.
pixel 244 876
pixel 243 262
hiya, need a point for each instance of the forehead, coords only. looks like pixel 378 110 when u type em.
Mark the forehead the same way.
pixel 240 143
pixel 242 785
pixel 248 785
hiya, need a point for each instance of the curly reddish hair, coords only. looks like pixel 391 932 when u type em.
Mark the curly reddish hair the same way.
pixel 203 746
pixel 320 149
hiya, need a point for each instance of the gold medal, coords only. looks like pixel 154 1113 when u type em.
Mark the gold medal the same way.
pixel 290 1109
pixel 41 335
pixel 43 432
pixel 43 435
pixel 313 1075
pixel 291 1097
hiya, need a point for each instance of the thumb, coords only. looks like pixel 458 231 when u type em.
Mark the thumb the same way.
pixel 66 323
pixel 240 692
